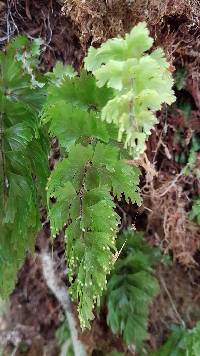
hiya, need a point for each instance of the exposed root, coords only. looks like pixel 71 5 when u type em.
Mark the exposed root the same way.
pixel 3 22
pixel 61 293
pixel 41 18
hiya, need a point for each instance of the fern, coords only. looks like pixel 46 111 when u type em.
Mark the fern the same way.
pixel 93 169
pixel 131 288
pixel 81 185
pixel 80 91
pixel 88 120
pixel 182 342
pixel 23 163
pixel 73 110
pixel 141 83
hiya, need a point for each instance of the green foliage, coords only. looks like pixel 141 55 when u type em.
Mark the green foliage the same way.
pixel 27 53
pixel 131 288
pixel 23 160
pixel 141 83
pixel 182 342
pixel 72 110
pixel 81 185
pixel 88 120
pixel 64 340
pixel 191 166
pixel 60 71
pixel 70 123
pixel 93 164
pixel 185 106
pixel 180 78
pixel 80 91
pixel 195 212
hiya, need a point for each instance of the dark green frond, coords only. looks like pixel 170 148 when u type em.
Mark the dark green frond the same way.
pixel 131 289
pixel 80 91
pixel 23 158
pixel 182 342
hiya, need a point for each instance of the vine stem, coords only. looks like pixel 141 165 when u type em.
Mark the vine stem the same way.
pixel 60 291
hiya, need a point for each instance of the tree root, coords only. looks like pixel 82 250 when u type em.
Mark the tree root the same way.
pixel 62 295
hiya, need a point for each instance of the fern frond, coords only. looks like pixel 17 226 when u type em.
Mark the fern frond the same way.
pixel 80 91
pixel 141 82
pixel 72 111
pixel 69 124
pixel 182 342
pixel 131 289
pixel 81 185
pixel 23 151
pixel 90 246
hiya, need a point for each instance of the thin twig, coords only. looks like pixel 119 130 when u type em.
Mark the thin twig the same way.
pixel 172 302
pixel 171 184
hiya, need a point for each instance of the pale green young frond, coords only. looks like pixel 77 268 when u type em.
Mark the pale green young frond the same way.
pixel 133 45
pixel 141 81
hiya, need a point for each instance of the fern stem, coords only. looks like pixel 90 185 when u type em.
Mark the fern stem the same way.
pixel 81 193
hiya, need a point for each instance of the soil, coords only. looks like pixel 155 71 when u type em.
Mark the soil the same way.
pixel 68 28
